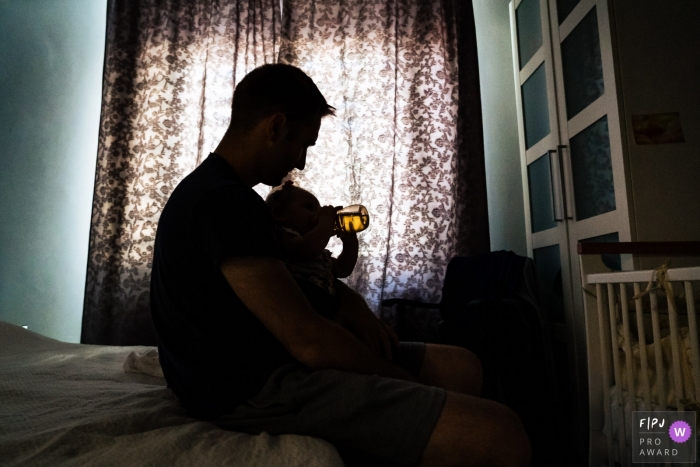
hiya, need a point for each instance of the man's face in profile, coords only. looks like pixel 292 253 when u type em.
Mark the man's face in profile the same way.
pixel 288 155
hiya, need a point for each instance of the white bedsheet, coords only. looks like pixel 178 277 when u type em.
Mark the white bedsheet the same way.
pixel 73 404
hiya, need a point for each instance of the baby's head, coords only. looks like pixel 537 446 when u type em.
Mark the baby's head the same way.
pixel 293 207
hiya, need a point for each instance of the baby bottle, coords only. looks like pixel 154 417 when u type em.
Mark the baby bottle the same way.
pixel 353 218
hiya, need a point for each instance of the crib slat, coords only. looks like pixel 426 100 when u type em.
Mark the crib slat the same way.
pixel 660 383
pixel 677 378
pixel 629 360
pixel 642 348
pixel 616 362
pixel 692 324
pixel 607 412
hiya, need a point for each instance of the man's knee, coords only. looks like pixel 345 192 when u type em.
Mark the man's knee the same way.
pixel 509 443
pixel 477 432
pixel 503 440
pixel 452 368
pixel 471 367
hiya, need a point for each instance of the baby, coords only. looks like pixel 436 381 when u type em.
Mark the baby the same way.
pixel 304 229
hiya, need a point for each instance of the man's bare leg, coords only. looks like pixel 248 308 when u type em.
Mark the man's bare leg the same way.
pixel 471 431
pixel 475 432
pixel 452 368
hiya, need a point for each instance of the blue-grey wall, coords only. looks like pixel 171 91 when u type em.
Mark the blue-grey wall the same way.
pixel 504 185
pixel 51 59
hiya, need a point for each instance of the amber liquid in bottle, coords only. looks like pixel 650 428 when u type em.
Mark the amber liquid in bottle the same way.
pixel 353 218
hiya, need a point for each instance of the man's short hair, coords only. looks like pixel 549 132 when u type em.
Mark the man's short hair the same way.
pixel 277 87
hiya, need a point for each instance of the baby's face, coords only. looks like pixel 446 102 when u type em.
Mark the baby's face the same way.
pixel 301 211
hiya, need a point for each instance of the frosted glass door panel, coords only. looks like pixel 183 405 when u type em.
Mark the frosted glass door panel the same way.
pixel 564 7
pixel 549 282
pixel 594 191
pixel 583 67
pixel 529 27
pixel 541 197
pixel 535 107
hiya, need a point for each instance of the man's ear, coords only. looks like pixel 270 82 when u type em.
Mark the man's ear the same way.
pixel 276 127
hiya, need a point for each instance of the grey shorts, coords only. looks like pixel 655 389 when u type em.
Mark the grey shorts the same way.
pixel 371 420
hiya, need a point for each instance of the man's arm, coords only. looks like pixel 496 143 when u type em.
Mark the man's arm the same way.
pixel 355 315
pixel 267 288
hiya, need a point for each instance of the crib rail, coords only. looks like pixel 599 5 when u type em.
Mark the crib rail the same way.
pixel 609 298
pixel 623 277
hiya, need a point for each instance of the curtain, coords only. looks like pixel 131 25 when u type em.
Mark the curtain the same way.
pixel 472 215
pixel 169 74
pixel 400 143
pixel 391 70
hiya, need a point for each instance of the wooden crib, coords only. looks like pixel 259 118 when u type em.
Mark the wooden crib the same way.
pixel 626 312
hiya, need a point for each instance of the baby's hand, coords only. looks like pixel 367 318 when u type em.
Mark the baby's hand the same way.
pixel 347 236
pixel 326 217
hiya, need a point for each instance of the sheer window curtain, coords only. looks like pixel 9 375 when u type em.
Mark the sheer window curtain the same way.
pixel 402 142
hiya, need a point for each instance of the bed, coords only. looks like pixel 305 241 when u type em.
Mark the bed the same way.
pixel 75 404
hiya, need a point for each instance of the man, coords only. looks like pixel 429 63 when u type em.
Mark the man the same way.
pixel 241 346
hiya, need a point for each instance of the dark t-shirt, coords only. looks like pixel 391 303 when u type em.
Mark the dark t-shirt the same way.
pixel 214 352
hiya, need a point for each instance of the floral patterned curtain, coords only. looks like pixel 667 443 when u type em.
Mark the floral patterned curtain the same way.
pixel 389 67
pixel 391 70
pixel 170 69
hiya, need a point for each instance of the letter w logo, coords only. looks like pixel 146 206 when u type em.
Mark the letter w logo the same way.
pixel 679 431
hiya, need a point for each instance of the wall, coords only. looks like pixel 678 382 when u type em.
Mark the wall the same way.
pixel 503 176
pixel 51 59
pixel 658 67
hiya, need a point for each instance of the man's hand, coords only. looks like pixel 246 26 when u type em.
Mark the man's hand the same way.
pixel 355 316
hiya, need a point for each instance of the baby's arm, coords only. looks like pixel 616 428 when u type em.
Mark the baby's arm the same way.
pixel 345 262
pixel 309 246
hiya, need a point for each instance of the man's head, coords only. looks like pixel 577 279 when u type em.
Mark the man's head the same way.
pixel 276 114
pixel 277 88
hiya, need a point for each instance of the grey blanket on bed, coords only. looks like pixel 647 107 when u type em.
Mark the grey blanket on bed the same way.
pixel 73 404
